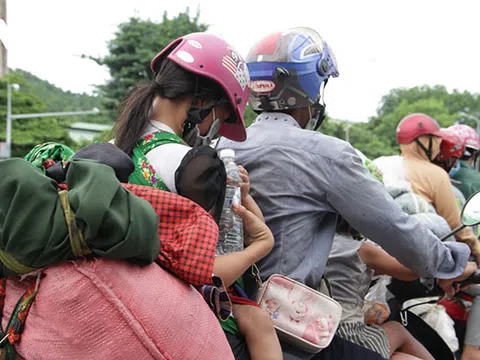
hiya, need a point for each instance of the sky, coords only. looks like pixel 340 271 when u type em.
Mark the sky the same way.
pixel 379 44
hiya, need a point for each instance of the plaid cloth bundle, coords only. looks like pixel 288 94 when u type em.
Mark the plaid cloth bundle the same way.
pixel 188 235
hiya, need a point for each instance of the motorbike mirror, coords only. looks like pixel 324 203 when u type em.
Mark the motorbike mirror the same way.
pixel 471 211
pixel 470 214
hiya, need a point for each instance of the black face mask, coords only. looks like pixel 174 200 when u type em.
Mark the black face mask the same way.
pixel 195 116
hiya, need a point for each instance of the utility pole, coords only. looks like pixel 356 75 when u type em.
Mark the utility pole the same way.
pixel 3 49
pixel 347 132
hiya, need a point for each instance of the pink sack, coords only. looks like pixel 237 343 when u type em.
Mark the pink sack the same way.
pixel 110 309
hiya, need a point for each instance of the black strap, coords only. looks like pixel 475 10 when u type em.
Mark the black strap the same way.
pixel 320 107
pixel 428 151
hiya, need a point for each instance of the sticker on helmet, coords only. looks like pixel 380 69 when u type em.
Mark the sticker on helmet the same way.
pixel 237 67
pixel 185 56
pixel 195 44
pixel 261 86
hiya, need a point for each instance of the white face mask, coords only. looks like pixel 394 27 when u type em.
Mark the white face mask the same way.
pixel 194 139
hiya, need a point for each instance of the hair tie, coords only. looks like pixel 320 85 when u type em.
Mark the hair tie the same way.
pixel 158 89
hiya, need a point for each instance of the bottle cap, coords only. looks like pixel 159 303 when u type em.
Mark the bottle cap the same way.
pixel 227 153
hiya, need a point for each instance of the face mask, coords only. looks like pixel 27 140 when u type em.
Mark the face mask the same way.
pixel 454 169
pixel 194 139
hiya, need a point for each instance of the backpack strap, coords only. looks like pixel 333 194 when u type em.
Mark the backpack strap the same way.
pixel 15 325
pixel 144 173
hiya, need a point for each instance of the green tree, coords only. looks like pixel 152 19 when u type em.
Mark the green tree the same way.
pixel 135 43
pixel 384 126
pixel 56 99
pixel 454 101
pixel 249 116
pixel 26 133
pixel 362 138
pixel 334 128
pixel 377 136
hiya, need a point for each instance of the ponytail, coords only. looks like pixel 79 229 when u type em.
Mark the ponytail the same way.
pixel 135 116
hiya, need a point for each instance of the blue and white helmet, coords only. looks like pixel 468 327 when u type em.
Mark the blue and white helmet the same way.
pixel 287 71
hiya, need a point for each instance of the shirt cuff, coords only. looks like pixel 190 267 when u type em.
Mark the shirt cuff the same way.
pixel 460 253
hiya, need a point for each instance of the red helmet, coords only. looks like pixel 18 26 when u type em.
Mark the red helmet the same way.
pixel 467 134
pixel 414 125
pixel 452 146
pixel 212 57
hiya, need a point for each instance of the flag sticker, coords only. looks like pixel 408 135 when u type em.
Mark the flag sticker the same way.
pixel 237 68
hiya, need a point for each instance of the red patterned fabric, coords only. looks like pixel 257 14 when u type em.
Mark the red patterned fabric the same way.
pixel 188 234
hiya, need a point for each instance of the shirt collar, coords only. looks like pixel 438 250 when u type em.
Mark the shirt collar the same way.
pixel 278 118
pixel 156 126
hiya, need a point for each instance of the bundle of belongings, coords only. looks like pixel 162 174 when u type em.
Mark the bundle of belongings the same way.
pixel 42 225
pixel 394 177
pixel 57 207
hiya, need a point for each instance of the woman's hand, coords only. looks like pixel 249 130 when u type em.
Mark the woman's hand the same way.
pixel 258 243
pixel 447 284
pixel 245 184
pixel 258 236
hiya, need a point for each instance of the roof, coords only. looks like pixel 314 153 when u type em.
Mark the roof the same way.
pixel 90 126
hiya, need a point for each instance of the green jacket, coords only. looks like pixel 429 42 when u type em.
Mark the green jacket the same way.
pixel 469 179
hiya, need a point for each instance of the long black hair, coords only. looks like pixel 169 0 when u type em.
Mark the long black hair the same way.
pixel 171 82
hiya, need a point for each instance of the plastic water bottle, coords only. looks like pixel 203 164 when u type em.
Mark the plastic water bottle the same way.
pixel 231 225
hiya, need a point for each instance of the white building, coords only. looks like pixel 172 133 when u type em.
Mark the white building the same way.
pixel 81 131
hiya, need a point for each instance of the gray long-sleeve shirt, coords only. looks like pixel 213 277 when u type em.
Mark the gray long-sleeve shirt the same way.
pixel 302 179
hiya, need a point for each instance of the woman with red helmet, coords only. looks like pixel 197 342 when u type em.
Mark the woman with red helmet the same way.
pixel 451 150
pixel 199 89
pixel 468 177
pixel 420 139
pixel 422 142
pixel 468 182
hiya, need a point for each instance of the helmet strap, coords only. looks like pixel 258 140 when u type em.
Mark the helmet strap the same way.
pixel 474 156
pixel 428 151
pixel 317 120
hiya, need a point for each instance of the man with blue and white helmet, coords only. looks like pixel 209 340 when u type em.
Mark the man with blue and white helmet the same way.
pixel 288 70
pixel 302 179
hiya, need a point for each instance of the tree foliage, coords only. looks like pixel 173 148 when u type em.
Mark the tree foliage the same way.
pixel 135 44
pixel 59 100
pixel 377 136
pixel 137 41
pixel 26 133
